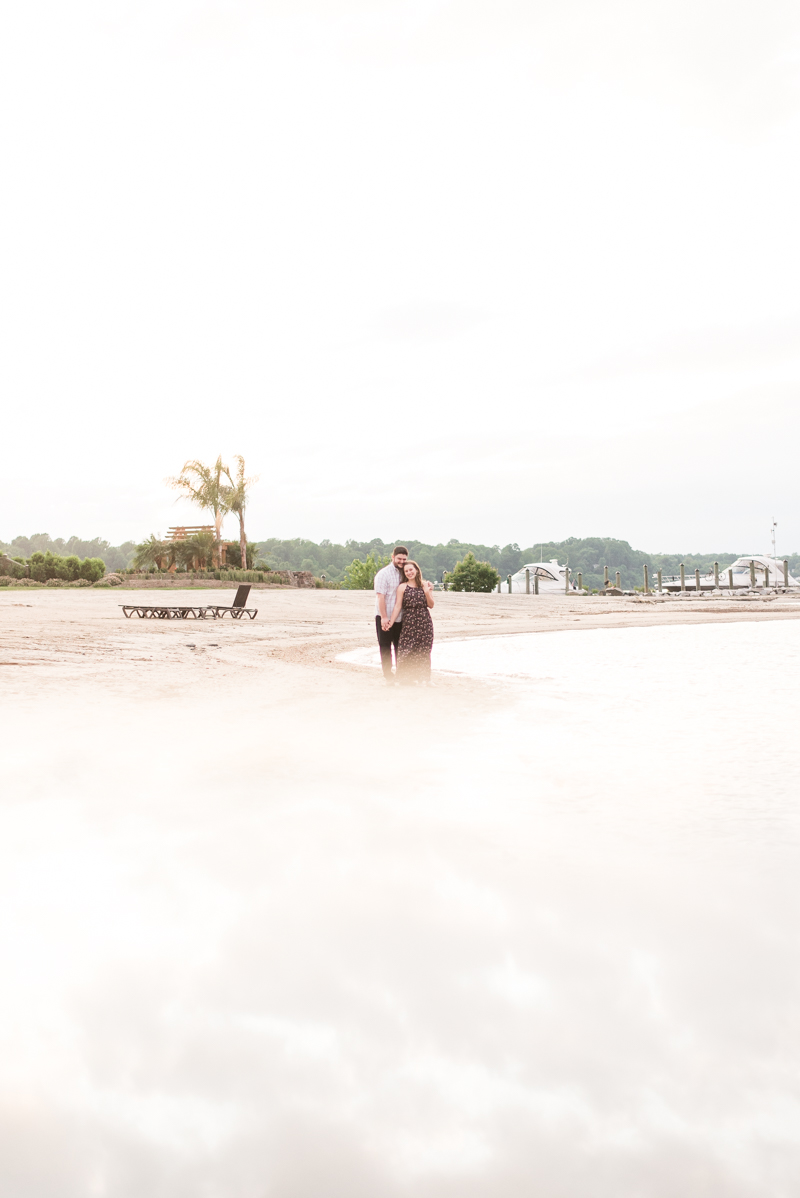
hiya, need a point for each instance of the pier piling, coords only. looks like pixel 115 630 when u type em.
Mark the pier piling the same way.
pixel 752 573
pixel 659 582
pixel 646 580
pixel 527 582
pixel 716 576
pixel 683 577
pixel 697 581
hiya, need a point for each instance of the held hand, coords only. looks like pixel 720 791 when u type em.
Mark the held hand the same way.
pixel 386 625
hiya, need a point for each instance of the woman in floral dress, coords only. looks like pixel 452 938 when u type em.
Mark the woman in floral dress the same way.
pixel 415 597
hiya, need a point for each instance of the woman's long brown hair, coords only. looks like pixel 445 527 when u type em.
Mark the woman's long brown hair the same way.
pixel 418 574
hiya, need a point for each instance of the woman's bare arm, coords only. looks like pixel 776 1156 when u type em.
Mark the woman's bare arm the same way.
pixel 399 602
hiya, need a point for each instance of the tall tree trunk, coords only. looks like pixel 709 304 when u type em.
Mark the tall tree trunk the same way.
pixel 242 539
pixel 218 540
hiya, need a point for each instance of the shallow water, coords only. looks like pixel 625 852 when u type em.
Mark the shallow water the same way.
pixel 654 726
pixel 548 946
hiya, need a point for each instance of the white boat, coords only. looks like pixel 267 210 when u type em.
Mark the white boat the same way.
pixel 552 578
pixel 741 575
pixel 741 572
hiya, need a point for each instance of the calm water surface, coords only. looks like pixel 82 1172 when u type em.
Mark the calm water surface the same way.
pixel 548 944
pixel 650 726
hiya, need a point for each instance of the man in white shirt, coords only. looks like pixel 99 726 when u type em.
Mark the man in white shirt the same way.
pixel 386 583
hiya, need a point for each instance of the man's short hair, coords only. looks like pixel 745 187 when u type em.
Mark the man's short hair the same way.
pixel 399 549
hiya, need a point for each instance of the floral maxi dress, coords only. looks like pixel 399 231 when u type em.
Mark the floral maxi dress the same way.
pixel 416 638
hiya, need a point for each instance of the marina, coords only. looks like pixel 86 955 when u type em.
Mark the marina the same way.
pixel 756 573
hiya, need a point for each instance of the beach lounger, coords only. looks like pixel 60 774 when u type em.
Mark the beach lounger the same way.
pixel 211 612
pixel 237 608
pixel 147 612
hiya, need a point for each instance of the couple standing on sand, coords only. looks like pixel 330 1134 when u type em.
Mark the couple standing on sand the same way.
pixel 402 619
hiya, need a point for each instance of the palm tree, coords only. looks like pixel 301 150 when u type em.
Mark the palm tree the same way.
pixel 151 553
pixel 203 485
pixel 236 500
pixel 203 549
pixel 194 553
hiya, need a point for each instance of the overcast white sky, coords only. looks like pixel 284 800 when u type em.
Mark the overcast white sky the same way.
pixel 496 269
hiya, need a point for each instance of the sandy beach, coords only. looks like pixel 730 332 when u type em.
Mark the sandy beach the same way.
pixel 82 638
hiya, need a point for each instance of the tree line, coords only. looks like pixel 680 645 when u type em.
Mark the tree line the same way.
pixel 585 554
pixel 333 559
pixel 114 557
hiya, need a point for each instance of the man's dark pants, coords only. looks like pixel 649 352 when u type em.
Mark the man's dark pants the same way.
pixel 386 640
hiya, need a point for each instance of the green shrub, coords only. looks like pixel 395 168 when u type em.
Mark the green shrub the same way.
pixel 38 569
pixel 92 569
pixel 360 576
pixel 241 576
pixel 472 575
pixel 50 567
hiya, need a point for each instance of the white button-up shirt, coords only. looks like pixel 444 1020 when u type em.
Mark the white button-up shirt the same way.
pixel 386 583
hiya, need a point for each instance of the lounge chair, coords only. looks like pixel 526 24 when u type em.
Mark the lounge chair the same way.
pixel 147 612
pixel 237 608
pixel 212 611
